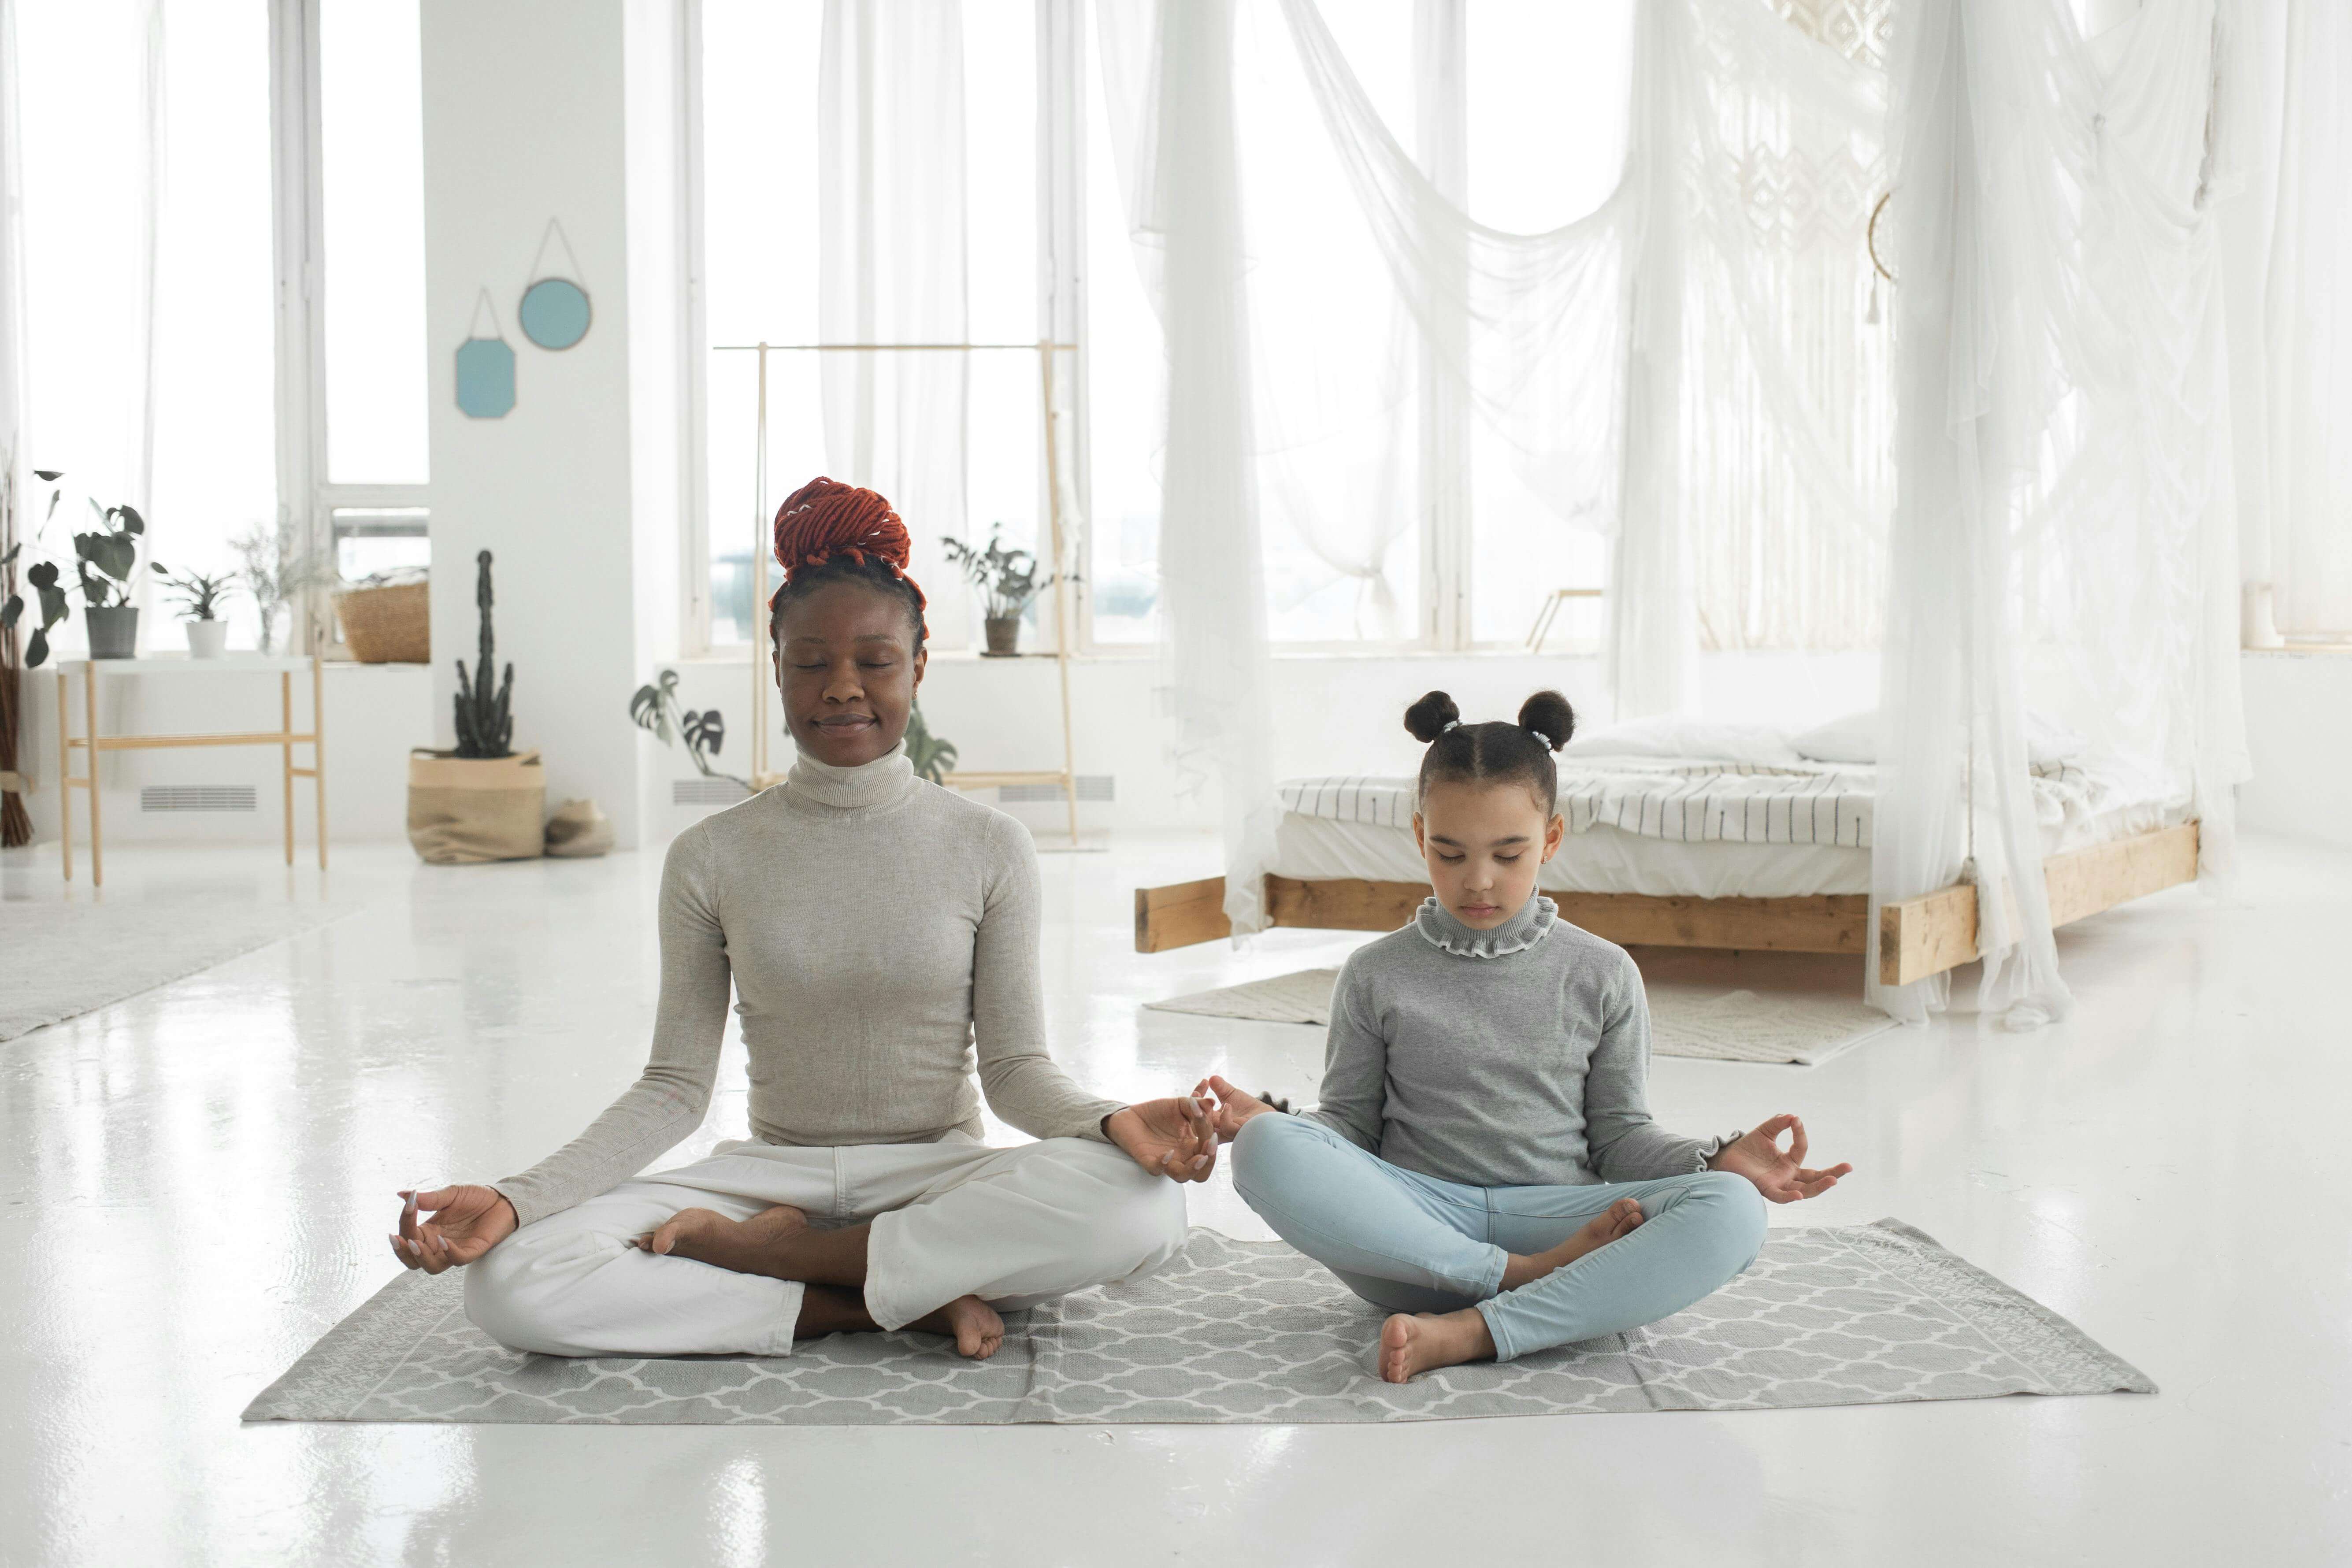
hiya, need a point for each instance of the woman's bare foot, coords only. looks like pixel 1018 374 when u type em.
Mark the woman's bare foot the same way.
pixel 971 1323
pixel 1422 1341
pixel 1622 1218
pixel 753 1245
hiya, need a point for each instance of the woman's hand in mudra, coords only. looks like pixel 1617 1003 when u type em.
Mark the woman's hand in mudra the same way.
pixel 1780 1174
pixel 466 1222
pixel 1171 1138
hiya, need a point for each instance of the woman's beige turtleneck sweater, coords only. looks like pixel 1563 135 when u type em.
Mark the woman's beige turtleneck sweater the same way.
pixel 875 927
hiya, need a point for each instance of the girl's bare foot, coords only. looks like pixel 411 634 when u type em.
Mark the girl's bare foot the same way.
pixel 747 1246
pixel 1622 1218
pixel 971 1323
pixel 1422 1341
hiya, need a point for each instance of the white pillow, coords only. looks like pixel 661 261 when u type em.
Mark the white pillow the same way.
pixel 1695 737
pixel 1855 740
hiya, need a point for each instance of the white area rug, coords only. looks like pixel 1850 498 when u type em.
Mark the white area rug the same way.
pixel 1799 1028
pixel 64 960
pixel 1251 1332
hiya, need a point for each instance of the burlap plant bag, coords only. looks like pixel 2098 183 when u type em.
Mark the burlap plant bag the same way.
pixel 462 810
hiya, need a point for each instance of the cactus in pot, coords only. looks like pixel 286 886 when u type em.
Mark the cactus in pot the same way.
pixel 485 724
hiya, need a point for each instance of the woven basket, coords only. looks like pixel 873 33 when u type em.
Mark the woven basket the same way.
pixel 388 626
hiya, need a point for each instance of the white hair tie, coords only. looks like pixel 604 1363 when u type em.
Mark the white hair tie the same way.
pixel 1539 735
pixel 1451 725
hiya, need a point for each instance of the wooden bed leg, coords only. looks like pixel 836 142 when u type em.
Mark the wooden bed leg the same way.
pixel 1936 932
pixel 1180 915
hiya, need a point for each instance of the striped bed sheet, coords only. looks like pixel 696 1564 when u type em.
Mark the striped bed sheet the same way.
pixel 1690 801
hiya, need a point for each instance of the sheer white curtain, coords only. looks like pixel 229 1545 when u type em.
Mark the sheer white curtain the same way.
pixel 1692 355
pixel 1169 71
pixel 891 232
pixel 2310 327
pixel 2064 521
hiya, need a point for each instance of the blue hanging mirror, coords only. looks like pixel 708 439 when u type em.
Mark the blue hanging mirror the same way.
pixel 554 310
pixel 485 368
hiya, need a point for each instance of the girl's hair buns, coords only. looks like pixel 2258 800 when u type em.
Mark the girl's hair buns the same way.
pixel 1427 719
pixel 1549 715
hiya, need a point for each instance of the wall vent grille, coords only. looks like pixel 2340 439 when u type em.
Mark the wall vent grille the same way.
pixel 1101 788
pixel 196 797
pixel 705 791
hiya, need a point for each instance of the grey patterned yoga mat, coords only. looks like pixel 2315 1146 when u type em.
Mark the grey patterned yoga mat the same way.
pixel 1803 1028
pixel 1251 1332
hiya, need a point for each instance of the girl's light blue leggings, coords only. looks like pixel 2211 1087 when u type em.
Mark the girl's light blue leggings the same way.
pixel 1415 1244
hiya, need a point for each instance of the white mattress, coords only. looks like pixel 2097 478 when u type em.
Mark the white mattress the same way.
pixel 1692 833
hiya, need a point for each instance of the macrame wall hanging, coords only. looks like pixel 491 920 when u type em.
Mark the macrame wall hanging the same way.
pixel 486 367
pixel 554 310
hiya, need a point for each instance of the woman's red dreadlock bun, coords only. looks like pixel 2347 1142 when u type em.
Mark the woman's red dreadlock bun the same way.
pixel 826 517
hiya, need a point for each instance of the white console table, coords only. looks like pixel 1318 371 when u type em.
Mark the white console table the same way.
pixel 92 743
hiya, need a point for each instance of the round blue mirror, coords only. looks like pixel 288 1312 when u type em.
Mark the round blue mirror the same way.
pixel 555 312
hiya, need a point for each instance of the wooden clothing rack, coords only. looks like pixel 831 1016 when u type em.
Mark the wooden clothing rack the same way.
pixel 1048 354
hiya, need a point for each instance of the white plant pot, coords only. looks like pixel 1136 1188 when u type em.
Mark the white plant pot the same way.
pixel 208 639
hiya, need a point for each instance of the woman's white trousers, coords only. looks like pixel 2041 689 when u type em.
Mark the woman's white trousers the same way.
pixel 1014 1226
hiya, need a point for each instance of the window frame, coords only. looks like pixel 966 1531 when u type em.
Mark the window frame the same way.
pixel 307 499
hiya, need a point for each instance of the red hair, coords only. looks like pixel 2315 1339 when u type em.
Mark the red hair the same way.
pixel 825 520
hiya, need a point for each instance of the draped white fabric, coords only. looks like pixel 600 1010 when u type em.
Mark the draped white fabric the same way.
pixel 891 231
pixel 12 267
pixel 1171 71
pixel 2065 521
pixel 2310 328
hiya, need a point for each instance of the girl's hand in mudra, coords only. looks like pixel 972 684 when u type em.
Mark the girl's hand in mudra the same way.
pixel 1233 1106
pixel 466 1222
pixel 1170 1138
pixel 1778 1173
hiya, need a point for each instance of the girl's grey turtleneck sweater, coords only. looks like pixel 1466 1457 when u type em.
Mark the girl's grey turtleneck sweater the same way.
pixel 877 929
pixel 1512 1057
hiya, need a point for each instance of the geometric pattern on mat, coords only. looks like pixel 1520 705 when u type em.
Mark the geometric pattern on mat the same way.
pixel 1800 1027
pixel 1251 1332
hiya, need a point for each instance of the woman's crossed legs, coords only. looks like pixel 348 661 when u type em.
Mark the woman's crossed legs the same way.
pixel 1474 1272
pixel 792 1243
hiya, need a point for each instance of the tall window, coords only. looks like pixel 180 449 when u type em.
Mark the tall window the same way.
pixel 1544 150
pixel 762 188
pixel 369 442
pixel 180 423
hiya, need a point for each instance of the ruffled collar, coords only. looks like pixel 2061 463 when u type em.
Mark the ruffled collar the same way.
pixel 886 780
pixel 1438 926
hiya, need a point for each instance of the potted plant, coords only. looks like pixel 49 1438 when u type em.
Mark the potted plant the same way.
pixel 655 709
pixel 200 595
pixel 934 757
pixel 106 558
pixel 274 567
pixel 1009 578
pixel 483 801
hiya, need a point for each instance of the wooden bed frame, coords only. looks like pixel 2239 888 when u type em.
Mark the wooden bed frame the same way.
pixel 1917 936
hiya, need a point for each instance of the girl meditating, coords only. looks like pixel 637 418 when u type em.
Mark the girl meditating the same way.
pixel 880 936
pixel 1483 1161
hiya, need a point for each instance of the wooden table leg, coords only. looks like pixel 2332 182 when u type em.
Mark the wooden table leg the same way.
pixel 286 729
pixel 319 750
pixel 89 757
pixel 65 775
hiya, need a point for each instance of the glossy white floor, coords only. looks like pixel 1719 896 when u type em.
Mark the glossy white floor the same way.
pixel 195 1183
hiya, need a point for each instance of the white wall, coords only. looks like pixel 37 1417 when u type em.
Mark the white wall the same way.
pixel 2299 731
pixel 524 116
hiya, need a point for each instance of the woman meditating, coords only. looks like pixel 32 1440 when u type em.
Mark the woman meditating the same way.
pixel 1483 1161
pixel 875 929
